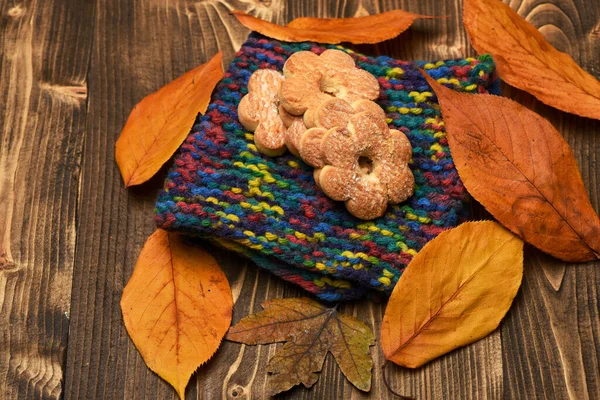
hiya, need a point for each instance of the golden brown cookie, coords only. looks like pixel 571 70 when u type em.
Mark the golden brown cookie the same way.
pixel 258 112
pixel 342 79
pixel 293 135
pixel 363 105
pixel 366 165
pixel 286 117
pixel 312 79
pixel 332 113
pixel 336 112
pixel 303 71
pixel 310 147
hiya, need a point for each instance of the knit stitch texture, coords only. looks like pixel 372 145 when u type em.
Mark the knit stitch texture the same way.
pixel 269 209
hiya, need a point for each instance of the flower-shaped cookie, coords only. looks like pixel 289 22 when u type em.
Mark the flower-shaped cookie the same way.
pixel 366 166
pixel 293 134
pixel 258 112
pixel 294 129
pixel 312 79
pixel 331 113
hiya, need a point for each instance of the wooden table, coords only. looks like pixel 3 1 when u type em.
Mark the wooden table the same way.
pixel 70 73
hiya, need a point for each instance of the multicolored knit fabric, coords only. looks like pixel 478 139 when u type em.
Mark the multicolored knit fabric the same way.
pixel 269 209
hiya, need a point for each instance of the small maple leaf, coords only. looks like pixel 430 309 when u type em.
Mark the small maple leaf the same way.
pixel 310 330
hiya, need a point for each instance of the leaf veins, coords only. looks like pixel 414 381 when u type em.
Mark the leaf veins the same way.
pixel 310 331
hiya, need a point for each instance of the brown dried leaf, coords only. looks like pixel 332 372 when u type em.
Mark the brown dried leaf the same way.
pixel 310 331
pixel 455 291
pixel 176 307
pixel 370 29
pixel 527 61
pixel 520 168
pixel 160 122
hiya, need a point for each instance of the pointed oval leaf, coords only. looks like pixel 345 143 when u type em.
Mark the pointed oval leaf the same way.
pixel 310 330
pixel 176 307
pixel 526 60
pixel 455 291
pixel 369 29
pixel 522 171
pixel 160 122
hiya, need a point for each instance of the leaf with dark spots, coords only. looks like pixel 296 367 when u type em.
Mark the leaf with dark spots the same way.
pixel 517 165
pixel 310 331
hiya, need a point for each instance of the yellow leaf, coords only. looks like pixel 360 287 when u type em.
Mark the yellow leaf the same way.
pixel 526 60
pixel 454 292
pixel 160 122
pixel 176 307
pixel 369 29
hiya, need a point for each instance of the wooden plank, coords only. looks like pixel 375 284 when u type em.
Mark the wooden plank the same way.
pixel 551 336
pixel 44 52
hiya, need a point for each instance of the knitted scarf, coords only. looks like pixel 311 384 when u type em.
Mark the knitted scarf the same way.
pixel 268 209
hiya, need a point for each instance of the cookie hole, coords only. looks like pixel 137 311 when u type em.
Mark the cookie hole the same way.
pixel 365 164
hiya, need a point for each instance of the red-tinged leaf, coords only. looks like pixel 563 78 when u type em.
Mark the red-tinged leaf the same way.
pixel 369 29
pixel 160 122
pixel 522 171
pixel 527 61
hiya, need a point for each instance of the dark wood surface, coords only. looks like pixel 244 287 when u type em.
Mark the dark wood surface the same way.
pixel 70 73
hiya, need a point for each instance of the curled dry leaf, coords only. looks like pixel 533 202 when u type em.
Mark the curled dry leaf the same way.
pixel 455 291
pixel 176 307
pixel 522 171
pixel 527 61
pixel 310 330
pixel 370 29
pixel 160 122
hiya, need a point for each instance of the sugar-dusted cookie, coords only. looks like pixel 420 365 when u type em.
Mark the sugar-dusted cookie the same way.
pixel 258 112
pixel 287 118
pixel 331 113
pixel 366 165
pixel 336 112
pixel 312 79
pixel 293 135
pixel 310 147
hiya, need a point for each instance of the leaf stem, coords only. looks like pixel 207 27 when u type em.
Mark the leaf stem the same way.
pixel 388 386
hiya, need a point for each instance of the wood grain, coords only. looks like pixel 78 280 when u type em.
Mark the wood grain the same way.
pixel 561 360
pixel 550 339
pixel 71 72
pixel 43 101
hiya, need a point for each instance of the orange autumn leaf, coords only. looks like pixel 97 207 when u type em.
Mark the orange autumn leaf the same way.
pixel 526 60
pixel 310 331
pixel 369 29
pixel 160 122
pixel 176 307
pixel 522 171
pixel 455 291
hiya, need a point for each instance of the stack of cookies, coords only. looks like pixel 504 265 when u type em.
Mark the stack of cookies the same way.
pixel 321 109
